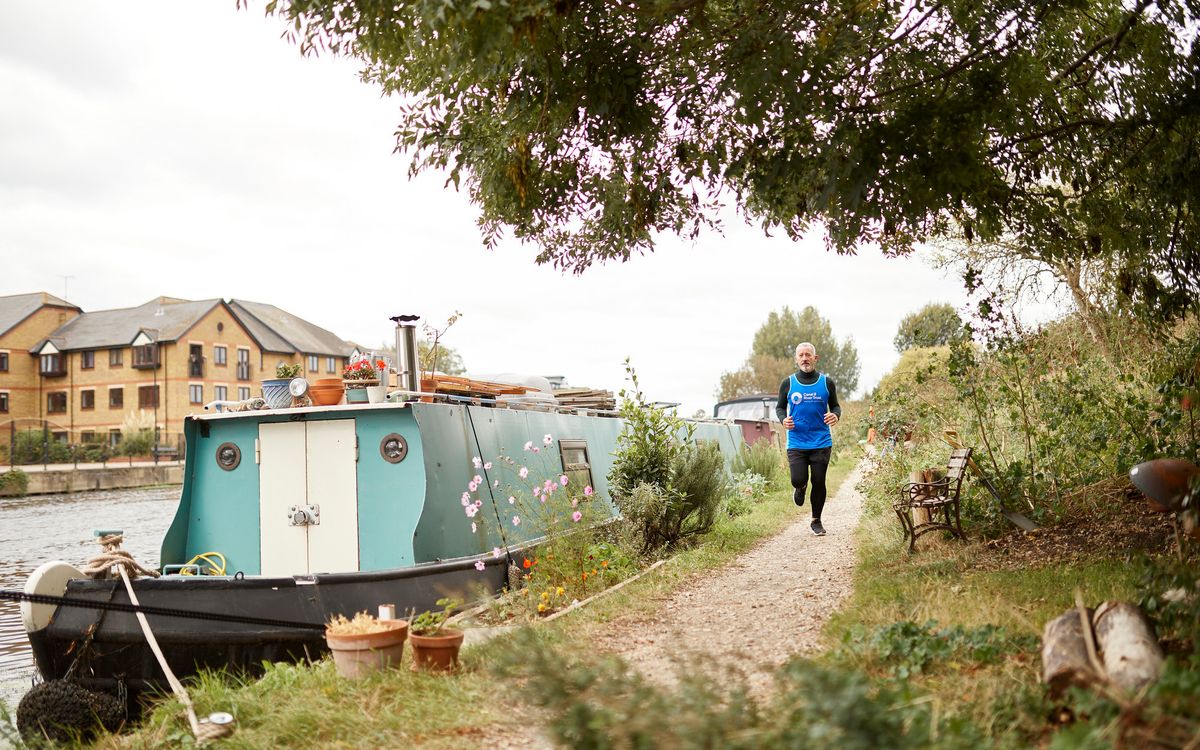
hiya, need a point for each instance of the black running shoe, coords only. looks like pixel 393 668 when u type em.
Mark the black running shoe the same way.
pixel 817 528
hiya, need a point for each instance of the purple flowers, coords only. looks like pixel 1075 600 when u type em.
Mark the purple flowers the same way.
pixel 576 516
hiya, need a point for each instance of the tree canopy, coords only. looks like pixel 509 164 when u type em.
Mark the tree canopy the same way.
pixel 932 325
pixel 587 126
pixel 772 355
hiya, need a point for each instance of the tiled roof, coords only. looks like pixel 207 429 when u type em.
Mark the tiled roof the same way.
pixel 18 307
pixel 164 319
pixel 279 331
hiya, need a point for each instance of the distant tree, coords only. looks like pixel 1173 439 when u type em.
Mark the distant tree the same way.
pixel 932 325
pixel 773 353
pixel 449 362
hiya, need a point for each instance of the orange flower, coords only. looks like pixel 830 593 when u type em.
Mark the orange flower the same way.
pixel 526 564
pixel 604 563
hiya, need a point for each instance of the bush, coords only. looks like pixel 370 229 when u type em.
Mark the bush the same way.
pixel 14 482
pixel 647 445
pixel 138 443
pixel 698 475
pixel 35 447
pixel 763 459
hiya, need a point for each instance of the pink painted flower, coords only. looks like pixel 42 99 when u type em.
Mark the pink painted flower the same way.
pixel 576 516
pixel 487 466
pixel 516 520
pixel 466 499
pixel 477 479
pixel 478 504
pixel 524 472
pixel 529 445
pixel 512 500
pixel 537 491
pixel 476 462
pixel 470 510
pixel 588 490
pixel 495 552
pixel 536 449
pixel 479 565
pixel 563 480
pixel 547 439
pixel 472 486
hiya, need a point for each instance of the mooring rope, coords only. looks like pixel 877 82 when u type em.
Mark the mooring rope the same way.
pixel 120 561
pixel 114 558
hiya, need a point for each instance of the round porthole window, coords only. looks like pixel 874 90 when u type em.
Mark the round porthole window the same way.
pixel 393 448
pixel 228 456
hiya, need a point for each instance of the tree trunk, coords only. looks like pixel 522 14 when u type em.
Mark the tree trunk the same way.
pixel 920 515
pixel 1130 651
pixel 1064 653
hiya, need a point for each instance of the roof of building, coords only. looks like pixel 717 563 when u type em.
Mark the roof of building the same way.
pixel 279 331
pixel 18 307
pixel 163 319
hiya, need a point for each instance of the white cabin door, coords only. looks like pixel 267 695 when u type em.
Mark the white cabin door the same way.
pixel 308 465
pixel 333 484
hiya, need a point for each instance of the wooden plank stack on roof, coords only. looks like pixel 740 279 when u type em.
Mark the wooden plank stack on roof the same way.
pixel 467 387
pixel 586 398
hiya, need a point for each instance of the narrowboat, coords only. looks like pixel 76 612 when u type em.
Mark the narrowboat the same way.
pixel 318 511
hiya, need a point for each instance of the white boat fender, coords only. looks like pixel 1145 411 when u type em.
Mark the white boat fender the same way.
pixel 51 579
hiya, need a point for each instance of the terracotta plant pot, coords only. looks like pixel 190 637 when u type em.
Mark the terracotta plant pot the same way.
pixel 329 381
pixel 326 395
pixel 358 655
pixel 436 653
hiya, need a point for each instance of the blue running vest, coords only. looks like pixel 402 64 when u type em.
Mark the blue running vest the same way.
pixel 807 405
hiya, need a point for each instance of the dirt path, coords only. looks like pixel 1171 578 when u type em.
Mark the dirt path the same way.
pixel 780 593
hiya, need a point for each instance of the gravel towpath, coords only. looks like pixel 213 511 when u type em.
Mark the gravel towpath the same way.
pixel 780 593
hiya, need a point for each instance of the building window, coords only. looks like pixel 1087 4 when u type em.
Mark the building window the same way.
pixel 87 399
pixel 3 361
pixel 116 357
pixel 195 361
pixel 114 438
pixel 56 403
pixel 243 393
pixel 243 365
pixel 148 397
pixel 220 393
pixel 87 436
pixel 116 398
pixel 145 356
pixel 87 360
pixel 52 364
pixel 330 365
pixel 220 355
pixel 314 363
pixel 3 403
pixel 195 394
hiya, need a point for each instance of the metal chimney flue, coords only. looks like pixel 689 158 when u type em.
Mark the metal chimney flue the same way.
pixel 408 366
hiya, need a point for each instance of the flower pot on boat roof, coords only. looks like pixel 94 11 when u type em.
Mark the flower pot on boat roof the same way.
pixel 365 645
pixel 361 375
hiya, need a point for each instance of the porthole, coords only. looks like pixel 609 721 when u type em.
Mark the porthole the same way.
pixel 228 456
pixel 393 448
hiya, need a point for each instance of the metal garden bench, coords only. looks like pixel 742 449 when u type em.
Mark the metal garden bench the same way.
pixel 935 503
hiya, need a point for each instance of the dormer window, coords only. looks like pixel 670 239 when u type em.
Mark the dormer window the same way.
pixel 145 355
pixel 52 365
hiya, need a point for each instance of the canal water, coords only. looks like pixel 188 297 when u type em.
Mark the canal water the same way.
pixel 38 528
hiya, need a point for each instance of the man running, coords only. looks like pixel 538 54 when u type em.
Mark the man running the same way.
pixel 808 406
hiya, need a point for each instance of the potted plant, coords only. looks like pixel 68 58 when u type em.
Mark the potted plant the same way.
pixel 275 390
pixel 361 375
pixel 435 646
pixel 365 644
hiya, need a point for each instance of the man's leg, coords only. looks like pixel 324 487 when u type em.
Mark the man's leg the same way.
pixel 819 467
pixel 798 467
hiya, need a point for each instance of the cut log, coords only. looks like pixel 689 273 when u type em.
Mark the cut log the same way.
pixel 1129 649
pixel 919 515
pixel 1064 653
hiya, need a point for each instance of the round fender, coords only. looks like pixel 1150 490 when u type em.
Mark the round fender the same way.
pixel 50 578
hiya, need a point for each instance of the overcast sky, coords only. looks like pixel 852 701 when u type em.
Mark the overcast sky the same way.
pixel 184 149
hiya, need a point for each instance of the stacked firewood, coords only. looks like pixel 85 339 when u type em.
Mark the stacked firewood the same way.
pixel 1111 646
pixel 586 398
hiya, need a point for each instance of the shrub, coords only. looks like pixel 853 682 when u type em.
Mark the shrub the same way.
pixel 647 445
pixel 138 443
pixel 14 482
pixel 763 459
pixel 698 475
